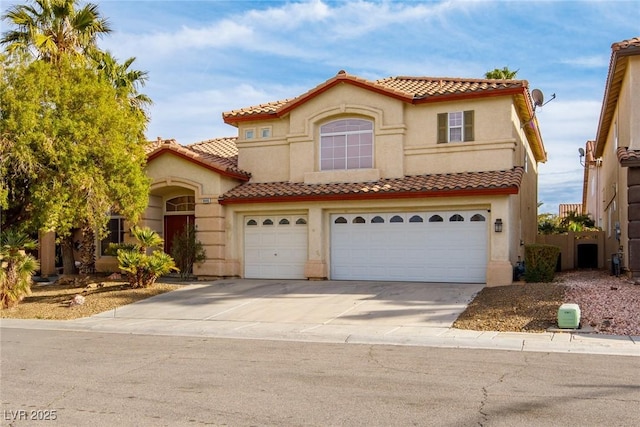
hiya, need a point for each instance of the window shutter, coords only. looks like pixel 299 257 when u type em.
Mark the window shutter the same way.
pixel 443 118
pixel 468 125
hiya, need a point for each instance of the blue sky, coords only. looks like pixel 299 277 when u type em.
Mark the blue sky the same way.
pixel 206 57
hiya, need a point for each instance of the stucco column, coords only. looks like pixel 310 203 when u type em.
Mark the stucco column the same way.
pixel 499 268
pixel 211 232
pixel 316 266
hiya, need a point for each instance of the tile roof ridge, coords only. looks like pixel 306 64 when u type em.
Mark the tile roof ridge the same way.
pixel 624 44
pixel 449 79
pixel 220 138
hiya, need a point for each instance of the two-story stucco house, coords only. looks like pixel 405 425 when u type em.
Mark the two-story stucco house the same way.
pixel 401 179
pixel 612 168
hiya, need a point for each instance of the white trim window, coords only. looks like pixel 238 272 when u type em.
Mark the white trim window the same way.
pixel 346 144
pixel 115 236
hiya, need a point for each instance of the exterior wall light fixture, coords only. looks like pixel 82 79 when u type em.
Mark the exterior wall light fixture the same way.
pixel 498 225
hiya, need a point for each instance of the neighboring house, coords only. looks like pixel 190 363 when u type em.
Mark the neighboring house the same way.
pixel 591 192
pixel 402 179
pixel 564 209
pixel 613 190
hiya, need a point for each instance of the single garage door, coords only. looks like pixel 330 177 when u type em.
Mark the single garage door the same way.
pixel 275 247
pixel 418 246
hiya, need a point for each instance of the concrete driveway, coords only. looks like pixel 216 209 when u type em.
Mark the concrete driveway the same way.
pixel 244 301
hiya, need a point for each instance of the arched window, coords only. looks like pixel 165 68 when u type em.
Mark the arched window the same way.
pixel 252 222
pixel 477 217
pixel 340 220
pixel 346 144
pixel 267 222
pixel 377 220
pixel 301 221
pixel 181 204
pixel 456 218
pixel 284 221
pixel 416 218
pixel 358 220
pixel 435 218
pixel 396 218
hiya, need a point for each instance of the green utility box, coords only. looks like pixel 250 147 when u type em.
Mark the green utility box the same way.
pixel 569 316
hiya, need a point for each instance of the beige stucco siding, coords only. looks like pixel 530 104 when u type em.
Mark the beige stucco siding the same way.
pixel 173 170
pixel 499 261
pixel 628 110
pixel 405 138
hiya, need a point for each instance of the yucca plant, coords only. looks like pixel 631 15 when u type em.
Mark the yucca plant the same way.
pixel 17 267
pixel 143 269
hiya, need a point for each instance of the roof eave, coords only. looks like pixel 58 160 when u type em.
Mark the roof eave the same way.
pixel 230 174
pixel 506 190
pixel 611 93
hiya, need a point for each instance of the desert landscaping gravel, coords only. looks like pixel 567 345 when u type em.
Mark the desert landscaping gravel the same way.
pixel 609 304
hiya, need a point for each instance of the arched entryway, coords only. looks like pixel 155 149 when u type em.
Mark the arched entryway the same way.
pixel 179 212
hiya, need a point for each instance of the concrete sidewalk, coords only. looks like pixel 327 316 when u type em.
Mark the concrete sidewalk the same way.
pixel 416 314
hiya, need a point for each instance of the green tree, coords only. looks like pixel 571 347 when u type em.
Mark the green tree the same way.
pixel 187 250
pixel 16 267
pixel 57 31
pixel 577 222
pixel 143 269
pixel 548 224
pixel 126 81
pixel 553 224
pixel 505 74
pixel 51 29
pixel 72 149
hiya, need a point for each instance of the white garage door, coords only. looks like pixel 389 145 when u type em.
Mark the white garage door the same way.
pixel 419 246
pixel 275 247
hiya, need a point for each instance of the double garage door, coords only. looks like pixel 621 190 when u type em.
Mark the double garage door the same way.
pixel 419 246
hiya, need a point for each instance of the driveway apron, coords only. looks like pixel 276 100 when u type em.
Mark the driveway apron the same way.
pixel 308 302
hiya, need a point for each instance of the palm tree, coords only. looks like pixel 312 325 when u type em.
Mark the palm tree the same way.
pixel 504 74
pixel 16 267
pixel 126 82
pixel 146 238
pixel 48 29
pixel 143 269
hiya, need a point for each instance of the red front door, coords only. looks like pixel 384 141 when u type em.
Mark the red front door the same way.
pixel 174 224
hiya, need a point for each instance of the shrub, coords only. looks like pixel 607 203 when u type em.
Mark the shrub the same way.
pixel 143 269
pixel 186 250
pixel 540 262
pixel 17 267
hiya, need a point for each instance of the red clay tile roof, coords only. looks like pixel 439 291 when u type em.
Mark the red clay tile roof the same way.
pixel 415 90
pixel 422 87
pixel 455 184
pixel 408 89
pixel 619 58
pixel 628 157
pixel 220 155
pixel 223 147
pixel 564 209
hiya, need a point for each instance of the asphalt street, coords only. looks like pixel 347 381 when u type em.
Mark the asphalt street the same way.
pixel 106 379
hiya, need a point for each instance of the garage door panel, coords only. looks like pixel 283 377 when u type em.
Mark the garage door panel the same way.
pixel 275 247
pixel 448 251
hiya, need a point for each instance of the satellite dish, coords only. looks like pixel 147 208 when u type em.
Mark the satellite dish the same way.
pixel 581 151
pixel 538 97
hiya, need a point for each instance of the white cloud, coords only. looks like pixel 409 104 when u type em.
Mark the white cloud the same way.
pixel 594 61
